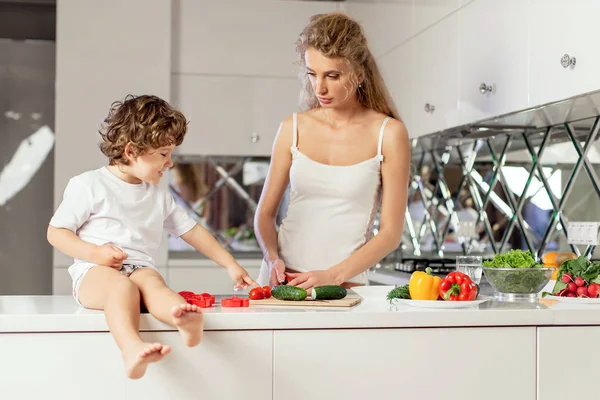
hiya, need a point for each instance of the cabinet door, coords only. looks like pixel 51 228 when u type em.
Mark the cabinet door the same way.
pixel 561 30
pixel 436 363
pixel 233 115
pixel 494 68
pixel 435 96
pixel 574 348
pixel 429 12
pixel 212 279
pixel 73 366
pixel 397 68
pixel 240 37
pixel 386 24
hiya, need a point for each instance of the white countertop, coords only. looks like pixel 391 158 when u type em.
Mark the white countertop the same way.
pixel 62 314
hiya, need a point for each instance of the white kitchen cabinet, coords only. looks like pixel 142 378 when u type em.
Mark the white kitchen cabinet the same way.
pixel 460 364
pixel 73 366
pixel 240 37
pixel 564 347
pixel 435 98
pixel 560 31
pixel 429 12
pixel 493 67
pixel 386 24
pixel 233 115
pixel 205 276
pixel 397 68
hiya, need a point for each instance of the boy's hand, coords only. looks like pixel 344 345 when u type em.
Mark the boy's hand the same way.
pixel 240 276
pixel 109 255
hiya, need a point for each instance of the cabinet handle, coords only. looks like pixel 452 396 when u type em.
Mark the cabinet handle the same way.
pixel 255 138
pixel 567 61
pixel 430 108
pixel 483 88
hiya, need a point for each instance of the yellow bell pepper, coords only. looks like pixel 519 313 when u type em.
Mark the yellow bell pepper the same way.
pixel 424 286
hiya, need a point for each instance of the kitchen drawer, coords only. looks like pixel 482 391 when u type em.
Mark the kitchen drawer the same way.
pixel 576 347
pixel 433 363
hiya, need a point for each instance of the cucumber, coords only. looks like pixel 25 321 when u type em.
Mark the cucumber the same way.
pixel 329 292
pixel 284 292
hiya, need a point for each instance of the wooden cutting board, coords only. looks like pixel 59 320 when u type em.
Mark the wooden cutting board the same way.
pixel 348 301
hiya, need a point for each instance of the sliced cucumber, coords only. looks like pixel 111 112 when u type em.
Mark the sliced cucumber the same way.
pixel 329 292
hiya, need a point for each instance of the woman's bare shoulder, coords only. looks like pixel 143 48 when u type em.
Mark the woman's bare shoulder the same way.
pixel 395 137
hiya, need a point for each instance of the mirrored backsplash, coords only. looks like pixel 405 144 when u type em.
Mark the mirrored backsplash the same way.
pixel 221 194
pixel 512 190
pixel 515 189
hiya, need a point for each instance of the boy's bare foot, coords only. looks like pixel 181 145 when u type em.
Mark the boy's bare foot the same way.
pixel 189 320
pixel 138 356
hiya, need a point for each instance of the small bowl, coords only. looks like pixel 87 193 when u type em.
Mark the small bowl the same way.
pixel 518 283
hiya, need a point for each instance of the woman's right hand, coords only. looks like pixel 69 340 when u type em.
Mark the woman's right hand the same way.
pixel 276 272
pixel 109 255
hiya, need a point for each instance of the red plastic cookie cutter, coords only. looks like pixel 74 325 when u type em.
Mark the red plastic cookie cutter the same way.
pixel 202 300
pixel 235 301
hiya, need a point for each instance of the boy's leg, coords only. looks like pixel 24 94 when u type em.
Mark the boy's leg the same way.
pixel 168 306
pixel 105 288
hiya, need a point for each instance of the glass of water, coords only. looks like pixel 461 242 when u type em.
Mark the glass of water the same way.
pixel 470 265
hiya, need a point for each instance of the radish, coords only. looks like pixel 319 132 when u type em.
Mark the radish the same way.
pixel 566 278
pixel 579 281
pixel 593 290
pixel 571 294
pixel 572 287
pixel 582 291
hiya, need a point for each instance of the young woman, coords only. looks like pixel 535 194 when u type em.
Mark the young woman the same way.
pixel 344 156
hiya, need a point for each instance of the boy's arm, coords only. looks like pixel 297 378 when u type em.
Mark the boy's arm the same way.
pixel 205 243
pixel 70 244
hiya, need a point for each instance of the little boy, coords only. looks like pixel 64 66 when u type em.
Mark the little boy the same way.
pixel 111 221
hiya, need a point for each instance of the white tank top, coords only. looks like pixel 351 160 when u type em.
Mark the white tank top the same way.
pixel 331 209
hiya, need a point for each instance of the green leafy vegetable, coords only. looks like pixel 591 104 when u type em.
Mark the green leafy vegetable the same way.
pixel 513 259
pixel 518 280
pixel 580 267
pixel 399 292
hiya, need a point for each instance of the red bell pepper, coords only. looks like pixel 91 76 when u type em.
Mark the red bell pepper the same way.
pixel 457 286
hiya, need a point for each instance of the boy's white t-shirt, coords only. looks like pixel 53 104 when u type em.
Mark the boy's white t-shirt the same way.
pixel 101 208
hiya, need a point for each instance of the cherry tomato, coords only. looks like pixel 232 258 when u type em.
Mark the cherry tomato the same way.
pixel 266 291
pixel 257 294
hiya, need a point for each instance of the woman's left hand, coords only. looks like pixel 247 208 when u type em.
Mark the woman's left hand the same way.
pixel 308 280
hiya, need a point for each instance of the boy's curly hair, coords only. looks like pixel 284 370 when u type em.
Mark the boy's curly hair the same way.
pixel 147 122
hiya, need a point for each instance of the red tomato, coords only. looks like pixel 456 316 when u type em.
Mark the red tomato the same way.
pixel 257 294
pixel 266 291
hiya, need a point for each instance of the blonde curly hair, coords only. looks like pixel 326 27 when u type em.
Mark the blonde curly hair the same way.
pixel 145 122
pixel 336 35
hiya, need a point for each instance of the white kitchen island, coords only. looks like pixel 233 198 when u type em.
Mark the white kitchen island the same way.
pixel 51 348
